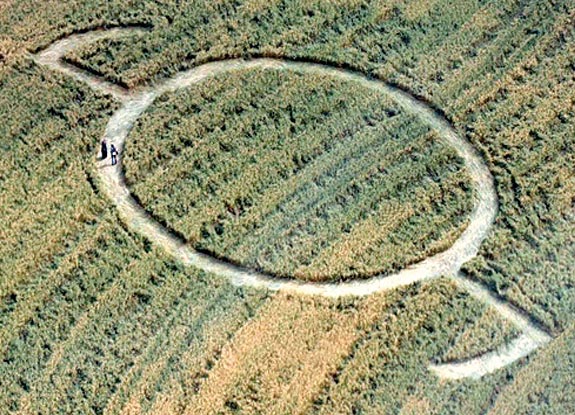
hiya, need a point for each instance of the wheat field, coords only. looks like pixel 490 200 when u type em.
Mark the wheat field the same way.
pixel 96 319
pixel 333 181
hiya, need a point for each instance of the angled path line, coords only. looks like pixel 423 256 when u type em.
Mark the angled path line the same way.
pixel 532 338
pixel 446 263
pixel 53 54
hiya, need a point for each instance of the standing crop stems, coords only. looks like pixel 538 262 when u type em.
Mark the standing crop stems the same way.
pixel 293 187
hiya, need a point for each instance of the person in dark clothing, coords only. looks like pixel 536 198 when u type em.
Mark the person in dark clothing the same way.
pixel 114 154
pixel 104 150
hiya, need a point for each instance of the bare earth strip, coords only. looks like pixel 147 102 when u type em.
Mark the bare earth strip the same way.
pixel 531 339
pixel 446 263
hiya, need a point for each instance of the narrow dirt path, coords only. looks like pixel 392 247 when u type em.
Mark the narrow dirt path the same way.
pixel 532 338
pixel 446 263
pixel 53 54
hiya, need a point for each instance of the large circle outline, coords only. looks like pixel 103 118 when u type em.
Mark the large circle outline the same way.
pixel 447 262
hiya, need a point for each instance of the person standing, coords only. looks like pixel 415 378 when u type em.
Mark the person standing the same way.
pixel 104 149
pixel 114 154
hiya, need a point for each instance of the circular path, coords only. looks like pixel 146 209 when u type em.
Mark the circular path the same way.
pixel 446 263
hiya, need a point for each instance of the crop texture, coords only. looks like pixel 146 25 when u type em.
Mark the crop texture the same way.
pixel 298 175
pixel 94 320
pixel 501 71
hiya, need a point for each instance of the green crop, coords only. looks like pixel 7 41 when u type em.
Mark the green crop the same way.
pixel 332 181
pixel 94 320
pixel 501 71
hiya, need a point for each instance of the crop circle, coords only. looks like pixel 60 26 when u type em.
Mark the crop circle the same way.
pixel 298 175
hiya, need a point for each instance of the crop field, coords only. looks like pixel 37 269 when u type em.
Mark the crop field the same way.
pixel 332 181
pixel 296 175
pixel 501 71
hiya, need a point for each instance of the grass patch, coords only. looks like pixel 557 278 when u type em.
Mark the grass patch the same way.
pixel 486 334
